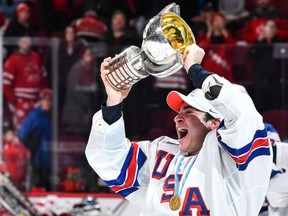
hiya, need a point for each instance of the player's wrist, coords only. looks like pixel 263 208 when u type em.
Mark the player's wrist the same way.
pixel 113 101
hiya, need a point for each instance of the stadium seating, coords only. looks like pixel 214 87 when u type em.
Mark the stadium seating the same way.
pixel 279 120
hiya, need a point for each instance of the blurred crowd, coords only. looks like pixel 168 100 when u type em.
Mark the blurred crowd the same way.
pixel 93 29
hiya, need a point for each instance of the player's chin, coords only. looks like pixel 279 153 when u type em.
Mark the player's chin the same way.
pixel 183 145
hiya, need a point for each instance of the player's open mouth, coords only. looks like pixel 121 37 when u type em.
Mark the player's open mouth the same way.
pixel 182 132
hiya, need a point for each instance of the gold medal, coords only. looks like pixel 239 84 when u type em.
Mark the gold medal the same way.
pixel 175 203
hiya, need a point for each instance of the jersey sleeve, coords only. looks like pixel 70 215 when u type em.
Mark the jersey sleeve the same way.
pixel 243 145
pixel 27 128
pixel 241 133
pixel 120 163
pixel 8 80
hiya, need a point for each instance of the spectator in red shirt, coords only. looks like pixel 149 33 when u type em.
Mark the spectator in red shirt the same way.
pixel 15 156
pixel 215 44
pixel 23 78
pixel 217 32
pixel 90 28
pixel 264 11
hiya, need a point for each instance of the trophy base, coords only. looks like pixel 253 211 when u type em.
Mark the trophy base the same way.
pixel 126 68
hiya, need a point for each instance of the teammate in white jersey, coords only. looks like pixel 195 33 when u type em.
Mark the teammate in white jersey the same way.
pixel 277 194
pixel 220 164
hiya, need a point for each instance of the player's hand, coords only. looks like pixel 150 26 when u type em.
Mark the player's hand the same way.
pixel 114 96
pixel 193 54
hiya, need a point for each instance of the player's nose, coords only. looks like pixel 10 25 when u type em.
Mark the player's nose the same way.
pixel 179 118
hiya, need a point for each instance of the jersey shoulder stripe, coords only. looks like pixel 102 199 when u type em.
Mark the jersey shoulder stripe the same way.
pixel 127 182
pixel 243 156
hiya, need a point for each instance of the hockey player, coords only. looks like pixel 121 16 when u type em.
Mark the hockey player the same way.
pixel 277 194
pixel 218 166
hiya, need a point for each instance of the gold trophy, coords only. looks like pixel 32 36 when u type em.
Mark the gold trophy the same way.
pixel 165 38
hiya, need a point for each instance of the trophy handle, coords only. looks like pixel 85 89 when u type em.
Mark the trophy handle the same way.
pixel 127 68
pixel 173 7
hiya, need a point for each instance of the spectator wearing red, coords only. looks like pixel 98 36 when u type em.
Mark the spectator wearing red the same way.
pixel 217 32
pixel 15 156
pixel 23 78
pixel 20 25
pixel 218 57
pixel 264 11
pixel 90 27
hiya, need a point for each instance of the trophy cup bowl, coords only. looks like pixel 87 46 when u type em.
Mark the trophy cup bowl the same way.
pixel 165 38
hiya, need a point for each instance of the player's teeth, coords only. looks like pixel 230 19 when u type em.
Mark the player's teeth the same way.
pixel 182 129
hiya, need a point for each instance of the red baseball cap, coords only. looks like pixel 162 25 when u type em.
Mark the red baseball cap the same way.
pixel 21 8
pixel 196 99
pixel 46 93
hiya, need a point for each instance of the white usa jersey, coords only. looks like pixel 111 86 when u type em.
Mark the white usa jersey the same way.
pixel 230 175
pixel 277 194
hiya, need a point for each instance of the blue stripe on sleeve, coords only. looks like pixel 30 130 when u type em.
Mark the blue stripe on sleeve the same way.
pixel 121 179
pixel 246 148
pixel 254 154
pixel 122 176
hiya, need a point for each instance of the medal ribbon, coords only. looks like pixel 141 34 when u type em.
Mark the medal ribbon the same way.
pixel 187 168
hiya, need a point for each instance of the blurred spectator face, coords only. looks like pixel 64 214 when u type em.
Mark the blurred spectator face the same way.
pixel 263 3
pixel 88 56
pixel 23 13
pixel 46 104
pixel 46 99
pixel 24 44
pixel 24 16
pixel 69 34
pixel 8 136
pixel 119 22
pixel 218 22
pixel 270 29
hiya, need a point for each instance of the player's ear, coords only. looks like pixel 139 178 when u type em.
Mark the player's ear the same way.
pixel 213 124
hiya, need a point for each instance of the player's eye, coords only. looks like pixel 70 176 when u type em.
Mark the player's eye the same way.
pixel 189 112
